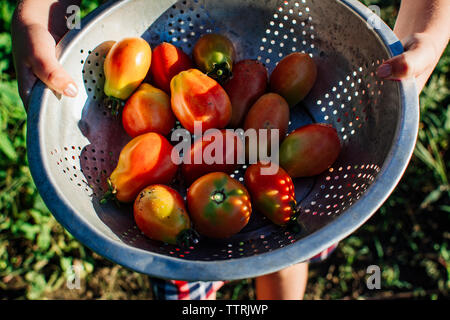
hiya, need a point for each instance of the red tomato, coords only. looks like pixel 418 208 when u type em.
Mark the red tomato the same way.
pixel 293 77
pixel 197 97
pixel 145 160
pixel 219 205
pixel 148 110
pixel 167 62
pixel 273 195
pixel 126 65
pixel 269 112
pixel 225 156
pixel 248 83
pixel 310 150
pixel 160 214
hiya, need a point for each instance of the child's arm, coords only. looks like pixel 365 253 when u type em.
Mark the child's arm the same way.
pixel 37 26
pixel 423 27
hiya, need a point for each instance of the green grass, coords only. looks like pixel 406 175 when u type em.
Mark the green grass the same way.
pixel 408 237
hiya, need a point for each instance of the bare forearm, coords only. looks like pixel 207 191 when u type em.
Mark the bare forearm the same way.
pixel 431 17
pixel 424 16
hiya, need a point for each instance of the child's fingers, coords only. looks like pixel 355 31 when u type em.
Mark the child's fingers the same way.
pixel 411 64
pixel 46 67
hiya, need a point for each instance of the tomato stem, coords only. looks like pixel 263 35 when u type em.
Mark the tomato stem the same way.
pixel 221 72
pixel 110 194
pixel 114 104
pixel 294 224
pixel 187 238
pixel 218 196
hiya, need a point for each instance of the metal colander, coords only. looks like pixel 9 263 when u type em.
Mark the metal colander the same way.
pixel 73 144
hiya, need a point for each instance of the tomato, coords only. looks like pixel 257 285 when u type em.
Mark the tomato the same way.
pixel 269 112
pixel 148 110
pixel 145 160
pixel 214 54
pixel 160 214
pixel 219 205
pixel 197 97
pixel 310 150
pixel 273 195
pixel 225 156
pixel 248 83
pixel 167 62
pixel 294 77
pixel 126 65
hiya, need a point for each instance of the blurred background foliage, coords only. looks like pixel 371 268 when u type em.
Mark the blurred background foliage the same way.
pixel 408 238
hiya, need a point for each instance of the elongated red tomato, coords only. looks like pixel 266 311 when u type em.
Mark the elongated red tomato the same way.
pixel 145 160
pixel 220 152
pixel 248 84
pixel 219 205
pixel 126 65
pixel 148 110
pixel 272 192
pixel 160 214
pixel 310 150
pixel 270 112
pixel 293 77
pixel 197 97
pixel 168 61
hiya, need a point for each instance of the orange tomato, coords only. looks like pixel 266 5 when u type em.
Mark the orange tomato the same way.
pixel 160 214
pixel 145 160
pixel 126 65
pixel 197 97
pixel 293 77
pixel 167 62
pixel 148 110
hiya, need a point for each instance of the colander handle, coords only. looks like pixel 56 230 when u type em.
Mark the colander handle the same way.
pixel 396 48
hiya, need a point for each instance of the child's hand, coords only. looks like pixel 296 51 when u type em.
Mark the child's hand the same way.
pixel 424 28
pixel 34 36
pixel 418 60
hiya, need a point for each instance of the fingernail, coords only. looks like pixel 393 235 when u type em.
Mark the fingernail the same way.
pixel 384 71
pixel 71 90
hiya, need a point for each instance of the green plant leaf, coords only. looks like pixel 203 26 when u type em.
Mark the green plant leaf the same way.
pixel 7 147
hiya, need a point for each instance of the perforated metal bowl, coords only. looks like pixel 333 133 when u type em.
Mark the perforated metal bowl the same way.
pixel 73 144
